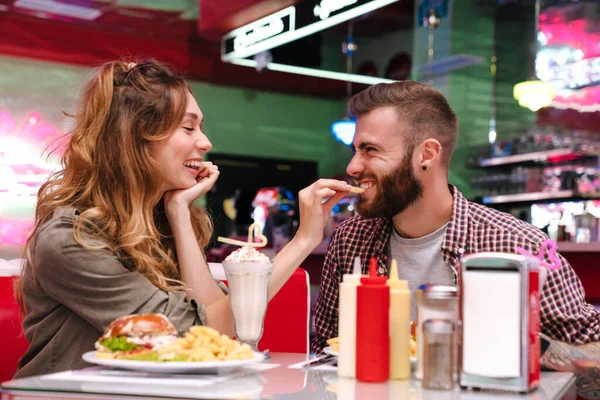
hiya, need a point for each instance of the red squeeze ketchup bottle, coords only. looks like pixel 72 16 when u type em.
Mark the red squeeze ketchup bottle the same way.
pixel 373 327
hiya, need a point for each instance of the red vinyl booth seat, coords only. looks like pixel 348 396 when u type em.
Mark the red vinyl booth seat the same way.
pixel 288 315
pixel 286 322
pixel 12 341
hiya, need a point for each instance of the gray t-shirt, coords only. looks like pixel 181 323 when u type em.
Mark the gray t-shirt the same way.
pixel 420 262
pixel 77 292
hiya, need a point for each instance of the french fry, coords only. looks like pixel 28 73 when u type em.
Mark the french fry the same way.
pixel 413 347
pixel 202 343
pixel 334 343
pixel 357 190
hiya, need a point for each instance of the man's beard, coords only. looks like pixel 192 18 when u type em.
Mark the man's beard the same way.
pixel 395 193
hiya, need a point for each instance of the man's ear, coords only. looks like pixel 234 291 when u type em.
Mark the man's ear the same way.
pixel 431 153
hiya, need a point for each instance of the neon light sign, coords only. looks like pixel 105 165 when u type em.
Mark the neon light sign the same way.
pixel 274 27
pixel 298 21
pixel 260 30
pixel 324 9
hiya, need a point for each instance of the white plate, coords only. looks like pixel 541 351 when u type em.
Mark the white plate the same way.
pixel 328 350
pixel 171 367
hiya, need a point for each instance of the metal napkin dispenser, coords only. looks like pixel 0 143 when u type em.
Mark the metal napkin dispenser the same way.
pixel 500 313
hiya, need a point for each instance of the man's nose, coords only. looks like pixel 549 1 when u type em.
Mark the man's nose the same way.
pixel 355 167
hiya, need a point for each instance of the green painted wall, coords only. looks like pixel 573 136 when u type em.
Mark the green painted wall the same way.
pixel 272 125
pixel 470 88
pixel 515 26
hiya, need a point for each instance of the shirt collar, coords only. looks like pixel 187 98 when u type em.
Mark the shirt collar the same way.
pixel 382 231
pixel 455 239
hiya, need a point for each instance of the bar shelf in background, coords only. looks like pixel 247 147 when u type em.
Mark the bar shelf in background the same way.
pixel 560 195
pixel 556 155
pixel 529 197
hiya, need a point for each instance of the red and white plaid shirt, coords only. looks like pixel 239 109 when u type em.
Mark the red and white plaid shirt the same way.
pixel 473 228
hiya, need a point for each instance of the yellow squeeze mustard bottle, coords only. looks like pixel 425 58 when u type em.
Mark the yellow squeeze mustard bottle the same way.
pixel 347 322
pixel 399 326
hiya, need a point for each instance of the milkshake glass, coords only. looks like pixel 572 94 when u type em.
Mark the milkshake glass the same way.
pixel 248 272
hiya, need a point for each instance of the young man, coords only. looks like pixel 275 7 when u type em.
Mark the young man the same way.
pixel 405 135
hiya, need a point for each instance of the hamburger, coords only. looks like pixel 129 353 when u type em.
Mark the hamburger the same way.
pixel 136 337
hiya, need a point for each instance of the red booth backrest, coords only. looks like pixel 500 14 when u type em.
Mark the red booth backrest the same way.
pixel 13 342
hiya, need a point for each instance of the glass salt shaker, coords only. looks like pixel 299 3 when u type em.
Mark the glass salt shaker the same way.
pixel 435 302
pixel 438 354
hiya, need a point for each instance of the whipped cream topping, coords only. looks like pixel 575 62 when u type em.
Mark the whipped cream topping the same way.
pixel 247 254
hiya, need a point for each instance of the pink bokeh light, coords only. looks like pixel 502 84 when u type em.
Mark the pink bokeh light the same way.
pixel 14 232
pixel 24 166
pixel 585 100
pixel 581 35
pixel 577 34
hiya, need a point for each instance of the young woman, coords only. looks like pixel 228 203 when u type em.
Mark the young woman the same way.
pixel 116 230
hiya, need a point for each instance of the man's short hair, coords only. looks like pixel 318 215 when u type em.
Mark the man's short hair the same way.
pixel 425 111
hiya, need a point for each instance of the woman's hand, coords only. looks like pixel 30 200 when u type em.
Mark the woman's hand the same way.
pixel 314 211
pixel 177 200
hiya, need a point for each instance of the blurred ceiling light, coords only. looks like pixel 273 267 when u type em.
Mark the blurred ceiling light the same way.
pixel 58 8
pixel 534 94
pixel 343 131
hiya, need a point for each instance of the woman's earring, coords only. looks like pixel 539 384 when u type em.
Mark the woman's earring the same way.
pixel 424 167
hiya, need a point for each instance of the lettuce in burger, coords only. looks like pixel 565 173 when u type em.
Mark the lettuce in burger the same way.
pixel 136 337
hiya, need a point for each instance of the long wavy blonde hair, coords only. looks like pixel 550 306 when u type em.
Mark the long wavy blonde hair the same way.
pixel 109 176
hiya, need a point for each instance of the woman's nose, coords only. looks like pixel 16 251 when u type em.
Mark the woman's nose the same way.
pixel 203 144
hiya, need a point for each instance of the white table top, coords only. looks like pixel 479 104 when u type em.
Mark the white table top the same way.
pixel 275 383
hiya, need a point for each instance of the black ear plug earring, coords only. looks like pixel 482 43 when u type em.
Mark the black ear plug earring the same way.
pixel 424 168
